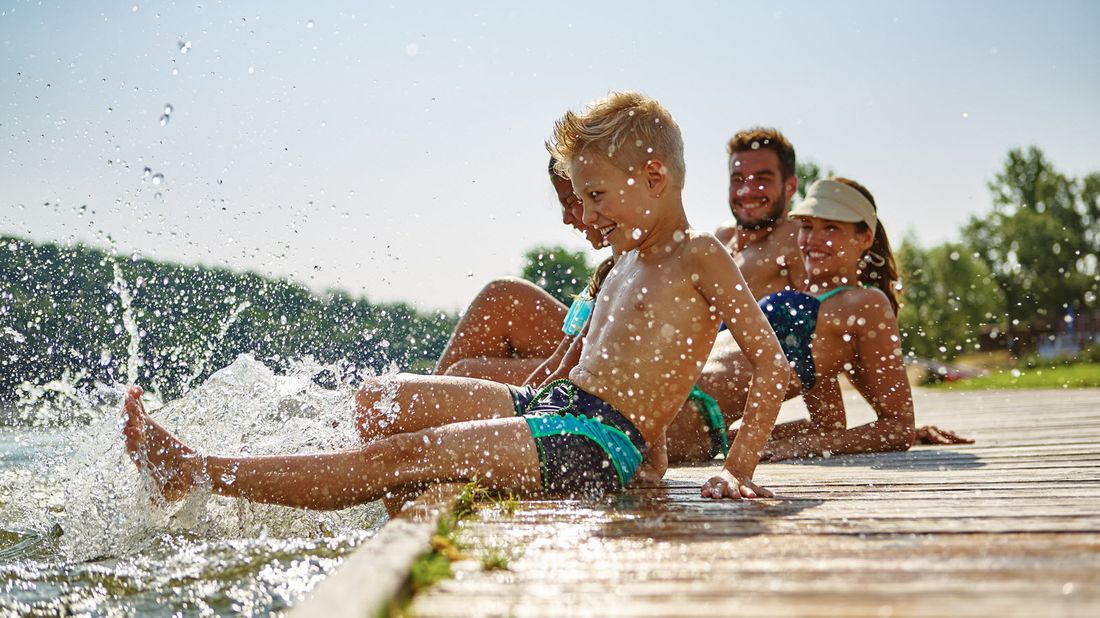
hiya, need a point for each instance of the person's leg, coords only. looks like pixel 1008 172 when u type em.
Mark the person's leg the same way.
pixel 500 453
pixel 410 402
pixel 507 370
pixel 509 318
pixel 726 377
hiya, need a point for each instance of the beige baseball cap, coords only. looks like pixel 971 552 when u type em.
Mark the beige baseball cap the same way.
pixel 830 199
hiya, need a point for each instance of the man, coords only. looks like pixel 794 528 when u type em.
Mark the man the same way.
pixel 764 242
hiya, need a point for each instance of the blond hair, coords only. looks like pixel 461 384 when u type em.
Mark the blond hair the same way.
pixel 630 127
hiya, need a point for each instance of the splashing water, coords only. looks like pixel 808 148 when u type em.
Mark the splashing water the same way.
pixel 125 299
pixel 80 530
pixel 200 367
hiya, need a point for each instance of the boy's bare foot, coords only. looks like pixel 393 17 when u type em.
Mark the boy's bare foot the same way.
pixel 174 466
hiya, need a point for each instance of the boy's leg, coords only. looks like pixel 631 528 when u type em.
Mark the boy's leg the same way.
pixel 508 318
pixel 500 453
pixel 410 402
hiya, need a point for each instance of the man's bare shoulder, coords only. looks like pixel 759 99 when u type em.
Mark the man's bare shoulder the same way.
pixel 697 241
pixel 786 234
pixel 726 232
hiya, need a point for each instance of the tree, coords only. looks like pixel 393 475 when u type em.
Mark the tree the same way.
pixel 557 270
pixel 1041 242
pixel 948 299
pixel 67 313
pixel 808 172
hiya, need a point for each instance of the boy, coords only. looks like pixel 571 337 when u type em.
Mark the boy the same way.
pixel 651 329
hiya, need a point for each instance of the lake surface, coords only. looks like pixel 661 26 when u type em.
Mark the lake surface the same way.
pixel 81 534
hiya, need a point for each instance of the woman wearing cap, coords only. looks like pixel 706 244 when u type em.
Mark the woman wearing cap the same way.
pixel 846 323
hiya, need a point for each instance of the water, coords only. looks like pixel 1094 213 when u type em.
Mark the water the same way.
pixel 81 533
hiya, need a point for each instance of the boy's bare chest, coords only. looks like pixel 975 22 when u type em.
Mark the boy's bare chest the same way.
pixel 648 293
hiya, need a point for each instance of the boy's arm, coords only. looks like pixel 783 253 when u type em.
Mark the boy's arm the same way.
pixel 880 377
pixel 721 283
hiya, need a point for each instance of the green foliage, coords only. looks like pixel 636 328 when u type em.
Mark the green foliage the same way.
pixel 948 299
pixel 62 313
pixel 561 272
pixel 1042 240
pixel 1080 375
pixel 466 504
pixel 494 560
pixel 809 172
pixel 428 569
pixel 1090 354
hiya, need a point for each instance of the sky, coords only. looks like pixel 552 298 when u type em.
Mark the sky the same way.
pixel 395 151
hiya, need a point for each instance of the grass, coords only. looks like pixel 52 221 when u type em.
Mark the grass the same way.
pixel 494 560
pixel 1083 375
pixel 435 565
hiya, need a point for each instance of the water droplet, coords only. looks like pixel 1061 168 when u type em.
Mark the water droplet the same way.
pixel 146 173
pixel 228 478
pixel 157 195
pixel 251 70
pixel 164 118
pixel 309 24
pixel 630 181
pixel 678 236
pixel 168 109
pixel 175 71
pixel 636 234
pixel 185 46
pixel 966 114
pixel 158 178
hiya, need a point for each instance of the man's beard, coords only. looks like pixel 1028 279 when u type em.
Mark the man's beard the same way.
pixel 767 220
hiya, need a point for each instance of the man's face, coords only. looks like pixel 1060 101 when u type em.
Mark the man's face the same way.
pixel 758 193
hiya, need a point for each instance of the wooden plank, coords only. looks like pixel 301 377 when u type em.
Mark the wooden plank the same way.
pixel 1009 526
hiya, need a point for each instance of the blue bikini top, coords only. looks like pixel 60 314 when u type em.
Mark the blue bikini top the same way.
pixel 577 316
pixel 793 316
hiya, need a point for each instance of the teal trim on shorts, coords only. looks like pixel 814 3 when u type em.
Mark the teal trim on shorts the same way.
pixel 712 416
pixel 619 448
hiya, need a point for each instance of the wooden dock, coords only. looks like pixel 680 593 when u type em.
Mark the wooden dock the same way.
pixel 1009 526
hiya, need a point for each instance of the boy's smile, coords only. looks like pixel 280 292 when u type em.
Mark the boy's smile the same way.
pixel 614 202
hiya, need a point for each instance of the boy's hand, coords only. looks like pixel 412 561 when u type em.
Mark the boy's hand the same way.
pixel 726 485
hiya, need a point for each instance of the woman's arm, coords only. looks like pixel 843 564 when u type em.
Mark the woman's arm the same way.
pixel 549 366
pixel 826 407
pixel 879 375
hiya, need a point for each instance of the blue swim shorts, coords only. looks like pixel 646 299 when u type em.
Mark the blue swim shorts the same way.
pixel 586 447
